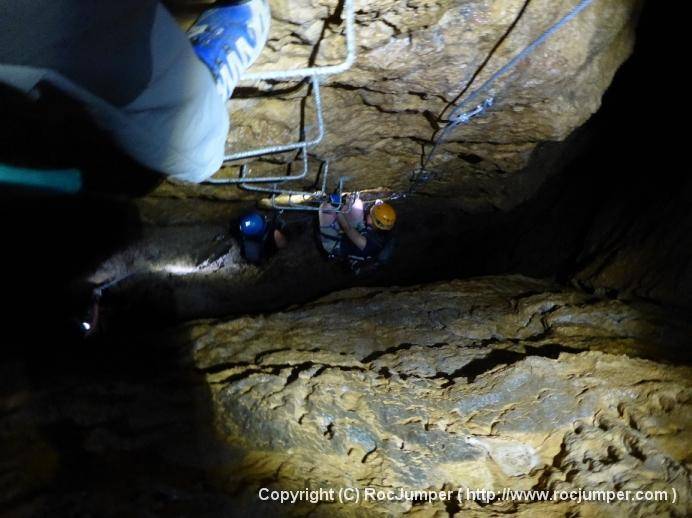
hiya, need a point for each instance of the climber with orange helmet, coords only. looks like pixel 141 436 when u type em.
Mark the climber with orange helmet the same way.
pixel 357 234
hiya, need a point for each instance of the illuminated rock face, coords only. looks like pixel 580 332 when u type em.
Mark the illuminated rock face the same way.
pixel 414 59
pixel 486 383
pixel 482 383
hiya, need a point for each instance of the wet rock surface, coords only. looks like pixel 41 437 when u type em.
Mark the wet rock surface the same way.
pixel 491 382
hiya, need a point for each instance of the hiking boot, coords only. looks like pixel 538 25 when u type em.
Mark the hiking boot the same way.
pixel 230 38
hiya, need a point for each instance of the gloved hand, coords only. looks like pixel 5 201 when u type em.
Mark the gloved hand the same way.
pixel 335 200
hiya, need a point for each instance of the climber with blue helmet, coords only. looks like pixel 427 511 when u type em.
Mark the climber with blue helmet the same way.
pixel 261 237
pixel 158 94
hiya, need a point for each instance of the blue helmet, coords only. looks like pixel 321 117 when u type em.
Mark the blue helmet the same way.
pixel 335 199
pixel 252 224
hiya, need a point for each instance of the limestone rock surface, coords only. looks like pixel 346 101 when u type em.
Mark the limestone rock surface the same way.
pixel 415 58
pixel 486 383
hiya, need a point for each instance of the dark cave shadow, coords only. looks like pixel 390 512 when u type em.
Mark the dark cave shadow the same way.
pixel 51 240
pixel 110 428
pixel 113 425
pixel 617 183
pixel 89 425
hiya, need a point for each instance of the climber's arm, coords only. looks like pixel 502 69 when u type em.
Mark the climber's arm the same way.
pixel 355 237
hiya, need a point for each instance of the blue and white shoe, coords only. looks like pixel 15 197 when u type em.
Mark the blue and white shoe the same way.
pixel 229 39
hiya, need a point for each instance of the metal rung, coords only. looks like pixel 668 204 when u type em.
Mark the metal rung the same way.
pixel 314 73
pixel 299 73
pixel 270 150
pixel 273 189
pixel 263 179
pixel 303 196
pixel 341 208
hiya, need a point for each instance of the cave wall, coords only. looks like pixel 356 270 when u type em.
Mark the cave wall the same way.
pixel 488 383
pixel 414 60
pixel 498 381
pixel 595 215
pixel 478 383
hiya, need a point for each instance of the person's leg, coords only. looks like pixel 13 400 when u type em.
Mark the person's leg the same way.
pixel 177 123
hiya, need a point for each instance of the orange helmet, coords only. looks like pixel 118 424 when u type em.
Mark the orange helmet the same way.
pixel 383 216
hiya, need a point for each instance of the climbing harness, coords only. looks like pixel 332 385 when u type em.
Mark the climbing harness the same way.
pixel 282 198
pixel 461 114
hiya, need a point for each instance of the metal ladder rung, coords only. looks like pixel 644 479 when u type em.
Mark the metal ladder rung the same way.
pixel 326 70
pixel 303 196
pixel 314 73
pixel 266 179
pixel 270 150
